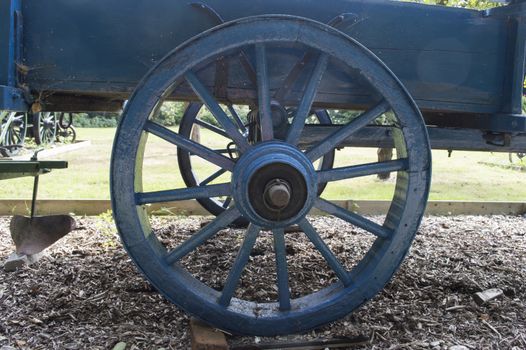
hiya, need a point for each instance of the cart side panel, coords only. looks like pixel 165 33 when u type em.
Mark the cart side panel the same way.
pixel 450 59
pixel 5 34
pixel 11 97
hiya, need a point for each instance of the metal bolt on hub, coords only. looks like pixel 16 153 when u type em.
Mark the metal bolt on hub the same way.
pixel 277 194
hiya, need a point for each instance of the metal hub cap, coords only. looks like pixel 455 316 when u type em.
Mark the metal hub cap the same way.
pixel 274 185
pixel 277 194
pixel 277 191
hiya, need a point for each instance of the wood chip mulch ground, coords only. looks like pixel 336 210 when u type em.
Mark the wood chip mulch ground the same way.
pixel 85 293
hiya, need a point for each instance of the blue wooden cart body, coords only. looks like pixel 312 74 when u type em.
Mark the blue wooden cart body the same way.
pixel 463 67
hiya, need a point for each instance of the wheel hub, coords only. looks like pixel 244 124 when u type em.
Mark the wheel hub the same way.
pixel 274 185
pixel 279 123
pixel 277 191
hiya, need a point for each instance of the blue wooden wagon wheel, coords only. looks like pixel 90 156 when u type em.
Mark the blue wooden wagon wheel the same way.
pixel 273 183
pixel 190 176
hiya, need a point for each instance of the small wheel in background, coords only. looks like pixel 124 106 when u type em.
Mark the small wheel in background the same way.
pixel 67 135
pixel 14 129
pixel 44 128
pixel 16 132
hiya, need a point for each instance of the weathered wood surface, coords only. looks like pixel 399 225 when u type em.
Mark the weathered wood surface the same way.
pixel 450 59
pixel 206 338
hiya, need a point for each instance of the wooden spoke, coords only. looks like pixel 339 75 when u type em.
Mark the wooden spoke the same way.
pixel 305 105
pixel 353 171
pixel 265 113
pixel 239 265
pixel 212 177
pixel 211 128
pixel 220 222
pixel 227 202
pixel 236 117
pixel 189 145
pixel 183 193
pixel 216 110
pixel 353 218
pixel 333 140
pixel 282 269
pixel 331 259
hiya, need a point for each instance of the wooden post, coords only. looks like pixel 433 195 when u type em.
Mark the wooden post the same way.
pixel 196 133
pixel 206 338
pixel 384 154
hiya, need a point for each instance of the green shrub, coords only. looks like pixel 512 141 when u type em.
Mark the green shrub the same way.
pixel 171 113
pixel 96 120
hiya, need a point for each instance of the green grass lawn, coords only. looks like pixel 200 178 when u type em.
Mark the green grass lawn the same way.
pixel 460 177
